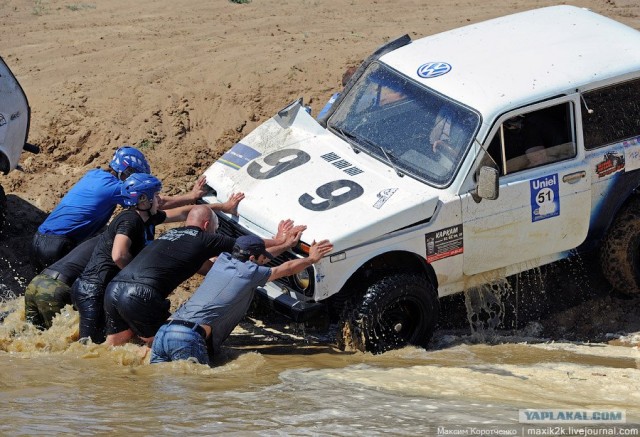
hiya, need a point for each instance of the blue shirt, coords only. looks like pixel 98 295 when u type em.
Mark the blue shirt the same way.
pixel 224 296
pixel 86 208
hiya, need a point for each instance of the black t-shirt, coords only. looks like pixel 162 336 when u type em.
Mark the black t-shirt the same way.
pixel 101 269
pixel 73 263
pixel 174 257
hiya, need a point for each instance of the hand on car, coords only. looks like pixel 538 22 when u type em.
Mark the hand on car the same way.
pixel 231 205
pixel 199 189
pixel 318 250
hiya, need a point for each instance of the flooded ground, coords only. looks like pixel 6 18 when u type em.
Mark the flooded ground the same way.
pixel 272 381
pixel 554 338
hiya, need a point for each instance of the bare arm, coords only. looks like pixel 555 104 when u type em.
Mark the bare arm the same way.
pixel 120 251
pixel 198 190
pixel 180 214
pixel 206 266
pixel 291 238
pixel 283 227
pixel 316 252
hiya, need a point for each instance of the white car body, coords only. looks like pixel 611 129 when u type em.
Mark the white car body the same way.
pixel 14 119
pixel 542 60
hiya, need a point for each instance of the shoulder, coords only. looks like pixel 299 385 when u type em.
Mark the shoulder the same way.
pixel 257 272
pixel 103 175
pixel 127 219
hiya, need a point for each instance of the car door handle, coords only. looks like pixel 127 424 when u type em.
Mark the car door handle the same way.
pixel 572 178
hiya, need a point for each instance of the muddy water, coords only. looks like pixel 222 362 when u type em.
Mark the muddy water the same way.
pixel 272 382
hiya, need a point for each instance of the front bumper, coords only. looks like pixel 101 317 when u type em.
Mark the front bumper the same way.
pixel 296 310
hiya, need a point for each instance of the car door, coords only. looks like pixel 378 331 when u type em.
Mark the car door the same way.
pixel 14 119
pixel 543 205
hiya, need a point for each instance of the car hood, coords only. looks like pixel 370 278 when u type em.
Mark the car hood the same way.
pixel 291 167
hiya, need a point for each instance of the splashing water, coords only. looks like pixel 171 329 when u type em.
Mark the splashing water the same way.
pixel 485 307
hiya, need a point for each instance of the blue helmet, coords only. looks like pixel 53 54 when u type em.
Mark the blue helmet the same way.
pixel 128 160
pixel 137 184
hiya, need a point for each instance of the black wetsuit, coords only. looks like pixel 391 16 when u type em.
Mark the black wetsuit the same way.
pixel 136 297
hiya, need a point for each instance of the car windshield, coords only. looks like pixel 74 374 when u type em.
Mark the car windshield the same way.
pixel 417 131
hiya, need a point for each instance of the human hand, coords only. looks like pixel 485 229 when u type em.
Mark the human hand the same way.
pixel 294 234
pixel 199 189
pixel 283 227
pixel 319 250
pixel 231 205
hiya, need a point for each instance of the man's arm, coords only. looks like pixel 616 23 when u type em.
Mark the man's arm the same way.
pixel 291 239
pixel 198 190
pixel 287 237
pixel 316 252
pixel 180 214
pixel 206 266
pixel 120 251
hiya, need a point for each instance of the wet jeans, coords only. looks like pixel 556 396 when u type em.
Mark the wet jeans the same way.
pixel 177 342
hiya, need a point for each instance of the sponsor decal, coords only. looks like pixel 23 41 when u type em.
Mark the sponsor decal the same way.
pixel 433 69
pixel 3 120
pixel 444 243
pixel 545 197
pixel 612 162
pixel 238 156
pixel 631 142
pixel 15 115
pixel 383 196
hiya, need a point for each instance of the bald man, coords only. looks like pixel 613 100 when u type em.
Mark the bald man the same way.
pixel 136 299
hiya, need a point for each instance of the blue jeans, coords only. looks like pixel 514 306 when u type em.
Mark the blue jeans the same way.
pixel 176 342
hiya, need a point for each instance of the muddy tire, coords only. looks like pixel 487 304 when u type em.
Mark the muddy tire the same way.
pixel 395 311
pixel 620 251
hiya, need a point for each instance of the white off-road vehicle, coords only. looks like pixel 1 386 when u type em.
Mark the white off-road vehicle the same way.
pixel 447 163
pixel 14 126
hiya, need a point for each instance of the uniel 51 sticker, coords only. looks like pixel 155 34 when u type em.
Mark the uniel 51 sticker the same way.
pixel 545 197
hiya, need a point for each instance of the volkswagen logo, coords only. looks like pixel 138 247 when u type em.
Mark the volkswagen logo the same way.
pixel 433 69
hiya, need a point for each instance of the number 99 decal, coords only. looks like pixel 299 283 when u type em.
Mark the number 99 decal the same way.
pixel 281 161
pixel 330 195
pixel 347 191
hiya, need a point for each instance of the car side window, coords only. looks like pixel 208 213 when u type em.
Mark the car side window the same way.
pixel 610 114
pixel 534 139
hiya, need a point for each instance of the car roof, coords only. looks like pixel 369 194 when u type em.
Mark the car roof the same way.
pixel 510 61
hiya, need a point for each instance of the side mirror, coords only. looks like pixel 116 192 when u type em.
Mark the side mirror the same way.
pixel 488 187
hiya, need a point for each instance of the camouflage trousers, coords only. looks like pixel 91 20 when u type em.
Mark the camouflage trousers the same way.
pixel 43 299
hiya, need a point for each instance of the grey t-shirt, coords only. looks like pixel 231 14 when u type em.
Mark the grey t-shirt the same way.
pixel 224 296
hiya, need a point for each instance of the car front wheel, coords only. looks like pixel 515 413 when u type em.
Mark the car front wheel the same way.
pixel 395 311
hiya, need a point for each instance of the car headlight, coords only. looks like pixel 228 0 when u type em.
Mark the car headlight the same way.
pixel 302 279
